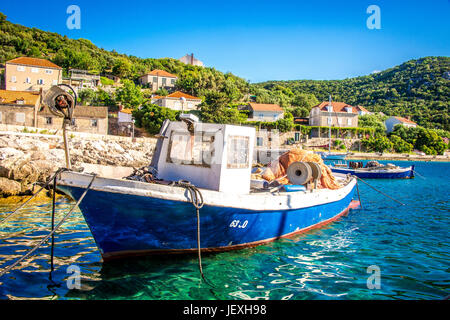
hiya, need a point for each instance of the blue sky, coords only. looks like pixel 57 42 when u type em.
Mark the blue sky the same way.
pixel 257 40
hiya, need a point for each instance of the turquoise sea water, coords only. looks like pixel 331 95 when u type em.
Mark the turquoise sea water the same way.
pixel 409 244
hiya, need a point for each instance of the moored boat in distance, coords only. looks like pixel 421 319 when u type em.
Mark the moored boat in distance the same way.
pixel 374 170
pixel 154 214
pixel 333 156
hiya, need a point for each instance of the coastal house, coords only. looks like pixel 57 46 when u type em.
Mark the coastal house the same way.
pixel 82 79
pixel 189 59
pixel 264 112
pixel 158 79
pixel 31 74
pixel 85 119
pixel 177 101
pixel 19 108
pixel 391 122
pixel 362 111
pixel 338 114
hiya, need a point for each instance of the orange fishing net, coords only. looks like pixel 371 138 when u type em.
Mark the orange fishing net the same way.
pixel 277 169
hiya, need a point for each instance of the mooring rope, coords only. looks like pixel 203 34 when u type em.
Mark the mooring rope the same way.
pixel 379 191
pixel 33 196
pixel 357 190
pixel 197 202
pixel 9 268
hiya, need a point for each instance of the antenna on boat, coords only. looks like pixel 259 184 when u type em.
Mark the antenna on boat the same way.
pixel 330 107
pixel 61 103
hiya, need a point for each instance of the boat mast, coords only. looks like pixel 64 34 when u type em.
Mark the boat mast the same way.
pixel 330 106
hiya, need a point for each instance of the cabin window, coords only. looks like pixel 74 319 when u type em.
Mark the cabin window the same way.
pixel 237 152
pixel 191 149
pixel 48 120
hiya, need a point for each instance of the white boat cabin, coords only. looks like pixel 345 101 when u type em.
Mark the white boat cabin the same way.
pixel 210 156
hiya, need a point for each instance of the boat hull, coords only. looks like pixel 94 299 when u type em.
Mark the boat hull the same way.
pixel 133 225
pixel 407 173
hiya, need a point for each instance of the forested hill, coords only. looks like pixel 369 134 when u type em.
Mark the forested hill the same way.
pixel 17 40
pixel 417 88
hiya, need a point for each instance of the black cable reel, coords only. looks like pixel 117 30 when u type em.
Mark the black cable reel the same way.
pixel 62 100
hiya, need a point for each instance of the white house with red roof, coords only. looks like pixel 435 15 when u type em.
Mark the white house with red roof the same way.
pixel 264 112
pixel 177 101
pixel 158 79
pixel 391 122
pixel 338 114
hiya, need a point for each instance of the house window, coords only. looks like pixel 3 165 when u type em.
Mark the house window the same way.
pixel 34 70
pixel 237 152
pixel 155 79
pixel 48 71
pixel 13 79
pixel 172 81
pixel 349 109
pixel 339 120
pixel 259 141
pixel 94 123
pixel 261 116
pixel 20 101
pixel 73 122
pixel 297 136
pixel 349 122
pixel 48 120
pixel 28 80
pixel 164 81
pixel 329 120
pixel 40 81
pixel 330 108
pixel 0 117
pixel 20 117
pixel 20 68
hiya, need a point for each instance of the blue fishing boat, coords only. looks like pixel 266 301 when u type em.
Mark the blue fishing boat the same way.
pixel 333 156
pixel 199 183
pixel 376 171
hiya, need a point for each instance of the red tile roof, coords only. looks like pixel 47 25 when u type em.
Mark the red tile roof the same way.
pixel 35 62
pixel 404 120
pixel 361 108
pixel 177 95
pixel 337 106
pixel 161 73
pixel 265 107
pixel 11 97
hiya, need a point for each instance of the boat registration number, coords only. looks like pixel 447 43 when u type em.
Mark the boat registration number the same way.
pixel 238 224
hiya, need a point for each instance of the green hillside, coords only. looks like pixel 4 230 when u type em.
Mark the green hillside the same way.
pixel 17 40
pixel 417 88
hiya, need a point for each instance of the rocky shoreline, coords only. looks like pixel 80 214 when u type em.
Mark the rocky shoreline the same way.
pixel 27 160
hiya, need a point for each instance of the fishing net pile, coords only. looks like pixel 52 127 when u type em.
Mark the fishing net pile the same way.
pixel 277 169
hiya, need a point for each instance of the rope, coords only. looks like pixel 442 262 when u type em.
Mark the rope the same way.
pixel 34 195
pixel 359 198
pixel 197 201
pixel 379 191
pixel 9 268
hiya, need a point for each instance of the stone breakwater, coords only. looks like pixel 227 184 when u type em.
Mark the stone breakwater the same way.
pixel 27 160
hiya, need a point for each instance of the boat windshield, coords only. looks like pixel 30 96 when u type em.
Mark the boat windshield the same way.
pixel 191 149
